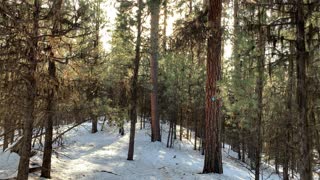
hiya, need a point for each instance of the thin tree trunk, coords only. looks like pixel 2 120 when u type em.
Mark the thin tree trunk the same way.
pixel 172 130
pixel 195 133
pixel 175 124
pixel 243 147
pixel 169 133
pixel 289 119
pixel 259 92
pixel 134 87
pixel 6 134
pixel 7 123
pixel 237 66
pixel 181 124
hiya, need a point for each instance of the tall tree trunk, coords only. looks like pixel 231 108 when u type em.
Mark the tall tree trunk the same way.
pixel 237 65
pixel 46 164
pixel 134 87
pixel 155 13
pixel 23 169
pixel 213 157
pixel 301 58
pixel 96 56
pixel 259 92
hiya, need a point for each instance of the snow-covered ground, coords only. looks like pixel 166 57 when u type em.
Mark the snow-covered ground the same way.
pixel 103 156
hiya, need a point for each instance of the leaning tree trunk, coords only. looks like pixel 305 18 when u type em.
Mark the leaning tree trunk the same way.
pixel 301 58
pixel 155 123
pixel 23 169
pixel 134 87
pixel 213 158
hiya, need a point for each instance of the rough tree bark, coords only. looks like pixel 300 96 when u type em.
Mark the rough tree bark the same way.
pixel 155 123
pixel 301 59
pixel 134 86
pixel 23 169
pixel 213 159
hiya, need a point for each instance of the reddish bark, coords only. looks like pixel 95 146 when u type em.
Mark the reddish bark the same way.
pixel 213 158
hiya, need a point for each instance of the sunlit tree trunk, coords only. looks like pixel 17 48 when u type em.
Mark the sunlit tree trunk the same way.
pixel 213 158
pixel 155 123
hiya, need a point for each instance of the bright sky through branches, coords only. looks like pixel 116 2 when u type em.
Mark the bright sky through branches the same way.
pixel 111 12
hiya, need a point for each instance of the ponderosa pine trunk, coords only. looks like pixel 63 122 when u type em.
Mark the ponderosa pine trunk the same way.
pixel 155 123
pixel 213 157
pixel 301 59
pixel 134 86
pixel 23 169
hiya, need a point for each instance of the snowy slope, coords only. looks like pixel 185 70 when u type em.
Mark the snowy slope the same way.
pixel 103 156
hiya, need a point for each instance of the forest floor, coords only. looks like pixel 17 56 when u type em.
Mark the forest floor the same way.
pixel 103 156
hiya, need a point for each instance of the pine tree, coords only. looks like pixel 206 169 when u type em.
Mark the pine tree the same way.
pixel 213 157
pixel 134 86
pixel 154 6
